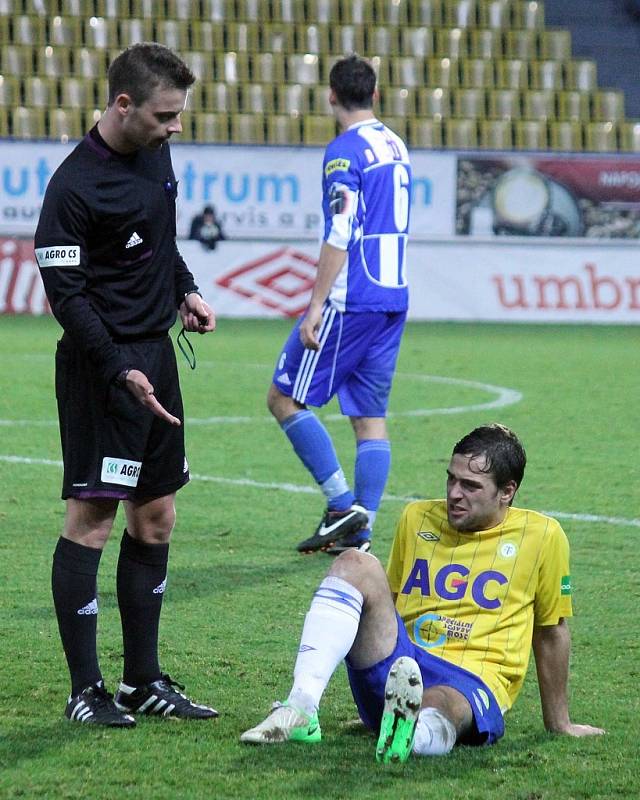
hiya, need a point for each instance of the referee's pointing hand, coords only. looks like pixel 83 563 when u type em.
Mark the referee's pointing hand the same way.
pixel 138 384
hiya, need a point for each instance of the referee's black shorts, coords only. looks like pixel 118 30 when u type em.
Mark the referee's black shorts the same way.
pixel 112 446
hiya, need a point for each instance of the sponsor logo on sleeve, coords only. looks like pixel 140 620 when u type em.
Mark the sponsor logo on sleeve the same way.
pixel 565 584
pixel 62 256
pixel 120 471
pixel 337 165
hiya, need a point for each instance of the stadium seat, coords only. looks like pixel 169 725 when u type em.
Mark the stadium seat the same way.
pixel 494 14
pixel 630 136
pixel 40 92
pixel 608 105
pixel 407 71
pixel 512 73
pixel 347 39
pixel 521 44
pixel 218 10
pixel 9 91
pixel 27 123
pixel 452 42
pixel 573 105
pixel 288 11
pixel 28 29
pixel 416 42
pixel 461 134
pixel 601 137
pixel 460 13
pixel 486 43
pixel 65 32
pixel 232 67
pixel 442 72
pixel 16 60
pixel 268 68
pixel 426 12
pixel 396 124
pixel 219 96
pixel 380 64
pixel 65 124
pixel 469 103
pixel 87 63
pixel 312 38
pixel 257 98
pixel 247 128
pixel 318 130
pixel 425 133
pixel 398 101
pixel 303 69
pixel 324 12
pixel 201 63
pixel 101 33
pixel 256 10
pixel 357 12
pixel 530 134
pixel 539 104
pixel 392 12
pixel 320 100
pixel 174 33
pixel 496 134
pixel 142 9
pixel 504 104
pixel 478 72
pixel 283 129
pixel 131 31
pixel 211 127
pixel 546 75
pixel 554 44
pixel 565 135
pixel 184 10
pixel 528 15
pixel 242 37
pixel 435 103
pixel 382 40
pixel 207 35
pixel 581 74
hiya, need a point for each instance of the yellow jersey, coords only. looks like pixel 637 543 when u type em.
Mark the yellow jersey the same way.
pixel 472 598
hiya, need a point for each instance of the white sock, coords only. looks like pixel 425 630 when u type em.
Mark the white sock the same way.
pixel 435 734
pixel 330 628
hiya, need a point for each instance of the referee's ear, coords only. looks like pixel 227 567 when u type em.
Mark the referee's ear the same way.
pixel 123 104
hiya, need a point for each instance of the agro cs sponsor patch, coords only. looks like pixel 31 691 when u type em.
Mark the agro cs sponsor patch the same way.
pixel 335 165
pixel 120 471
pixel 565 584
pixel 58 256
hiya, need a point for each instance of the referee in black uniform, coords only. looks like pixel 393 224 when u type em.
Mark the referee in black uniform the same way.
pixel 106 249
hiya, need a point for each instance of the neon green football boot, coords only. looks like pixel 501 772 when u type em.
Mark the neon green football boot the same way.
pixel 402 701
pixel 285 724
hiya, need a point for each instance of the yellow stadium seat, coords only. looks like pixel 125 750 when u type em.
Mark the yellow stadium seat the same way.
pixel 554 44
pixel 312 38
pixel 141 9
pixel 9 91
pixel 520 44
pixel 397 125
pixel 320 100
pixel 232 67
pixel 496 134
pixel 88 63
pixel 242 37
pixel 608 104
pixel 201 63
pixel 29 29
pixel 303 68
pixel 293 98
pixel 461 134
pixel 259 11
pixel 442 72
pixel 398 101
pixel 101 92
pixel 101 33
pixel 380 64
pixel 601 137
pixel 28 123
pixel 452 42
pixel 512 73
pixel 40 92
pixel 219 96
pixel 486 43
pixel 4 122
pixel 65 124
pixel 207 35
pixel 257 98
pixel 174 33
pixel 546 75
pixel 469 103
pixel 565 135
pixel 630 136
pixel 65 31
pixel 218 10
pixel 539 104
pixel 211 127
pixel 407 71
pixel 289 11
pixel 435 103
pixel 283 129
pixel 322 11
pixel 504 104
pixel 347 39
pixel 425 133
pixel 416 42
pixel 573 105
pixel 528 14
pixel 247 128
pixel 318 130
pixel 393 12
pixel 268 68
pixel 581 74
pixel 426 12
pixel 56 62
pixel 494 14
pixel 184 10
pixel 478 72
pixel 530 134
pixel 132 31
pixel 382 40
pixel 16 60
pixel 460 13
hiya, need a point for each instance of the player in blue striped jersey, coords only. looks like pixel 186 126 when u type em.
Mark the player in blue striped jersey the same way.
pixel 347 342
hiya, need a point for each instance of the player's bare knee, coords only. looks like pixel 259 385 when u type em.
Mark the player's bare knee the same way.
pixel 361 570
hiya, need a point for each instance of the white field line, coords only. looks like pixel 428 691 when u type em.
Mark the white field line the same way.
pixel 296 489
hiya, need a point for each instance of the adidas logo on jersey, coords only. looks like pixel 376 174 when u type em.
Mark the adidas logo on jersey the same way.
pixel 90 608
pixel 161 587
pixel 284 379
pixel 134 241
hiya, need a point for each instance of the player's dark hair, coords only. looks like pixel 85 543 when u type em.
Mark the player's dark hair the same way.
pixel 504 454
pixel 141 68
pixel 354 82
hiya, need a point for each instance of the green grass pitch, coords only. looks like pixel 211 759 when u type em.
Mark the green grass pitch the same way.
pixel 237 591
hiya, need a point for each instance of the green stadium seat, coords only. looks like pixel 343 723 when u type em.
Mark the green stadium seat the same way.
pixel 259 11
pixel 242 37
pixel 530 134
pixel 257 98
pixel 565 135
pixel 397 124
pixel 293 98
pixel 382 40
pixel 461 134
pixel 347 39
pixel 174 33
pixel 86 62
pixel 601 137
pixel 303 68
pixel 496 134
pixel 101 33
pixel 28 29
pixel 425 133
pixel 320 100
pixel 134 30
pixel 219 96
pixel 325 12
pixel 268 68
pixel 201 63
pixel 391 12
pixel 184 10
pixel 16 60
pixel 232 67
pixel 398 101
pixel 407 71
pixel 218 10
pixel 312 38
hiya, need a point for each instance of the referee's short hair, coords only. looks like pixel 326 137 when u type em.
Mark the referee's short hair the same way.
pixel 354 82
pixel 141 68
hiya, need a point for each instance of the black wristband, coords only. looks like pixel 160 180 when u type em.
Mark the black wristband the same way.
pixel 121 377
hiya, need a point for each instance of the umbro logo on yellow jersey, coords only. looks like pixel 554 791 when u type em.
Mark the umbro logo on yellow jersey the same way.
pixel 428 536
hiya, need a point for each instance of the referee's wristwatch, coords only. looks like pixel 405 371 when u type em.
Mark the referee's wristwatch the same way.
pixel 121 377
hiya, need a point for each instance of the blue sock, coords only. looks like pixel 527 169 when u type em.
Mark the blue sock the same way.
pixel 314 448
pixel 373 460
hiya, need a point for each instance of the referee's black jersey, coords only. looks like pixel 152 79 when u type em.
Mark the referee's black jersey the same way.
pixel 105 245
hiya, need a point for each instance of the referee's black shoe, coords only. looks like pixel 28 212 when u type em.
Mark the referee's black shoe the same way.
pixel 160 699
pixel 94 705
pixel 333 527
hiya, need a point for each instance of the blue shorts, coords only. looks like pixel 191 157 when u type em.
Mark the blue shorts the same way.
pixel 356 360
pixel 367 687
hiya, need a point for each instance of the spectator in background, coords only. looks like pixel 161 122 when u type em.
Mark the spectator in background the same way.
pixel 206 228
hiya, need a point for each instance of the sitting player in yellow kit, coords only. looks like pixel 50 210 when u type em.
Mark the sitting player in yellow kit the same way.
pixel 437 648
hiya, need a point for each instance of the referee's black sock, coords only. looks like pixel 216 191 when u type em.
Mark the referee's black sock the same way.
pixel 142 573
pixel 74 586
